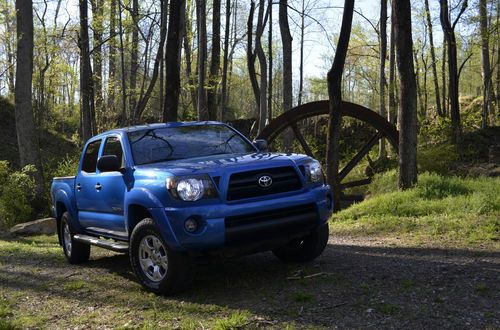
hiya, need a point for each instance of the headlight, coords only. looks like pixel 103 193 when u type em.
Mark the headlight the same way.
pixel 191 189
pixel 314 173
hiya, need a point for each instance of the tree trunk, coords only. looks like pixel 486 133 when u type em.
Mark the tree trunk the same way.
pixel 433 58
pixel 270 60
pixel 141 106
pixel 173 61
pixel 425 60
pixel 97 27
pixel 86 82
pixel 201 19
pixel 27 139
pixel 124 117
pixel 286 41
pixel 449 34
pixel 498 60
pixel 408 99
pixel 187 38
pixel 443 76
pixel 263 66
pixel 9 47
pixel 485 62
pixel 392 73
pixel 112 59
pixel 417 80
pixel 213 78
pixel 134 60
pixel 301 67
pixel 383 54
pixel 222 107
pixel 251 60
pixel 335 95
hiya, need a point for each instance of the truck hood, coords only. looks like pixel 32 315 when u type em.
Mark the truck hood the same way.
pixel 220 163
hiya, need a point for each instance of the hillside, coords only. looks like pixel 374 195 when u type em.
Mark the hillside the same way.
pixel 53 145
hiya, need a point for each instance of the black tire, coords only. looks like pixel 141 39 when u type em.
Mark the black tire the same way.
pixel 178 273
pixel 75 252
pixel 306 248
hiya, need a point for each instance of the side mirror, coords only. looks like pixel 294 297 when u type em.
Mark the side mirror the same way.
pixel 108 163
pixel 261 144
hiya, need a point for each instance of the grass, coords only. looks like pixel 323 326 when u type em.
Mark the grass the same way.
pixel 236 320
pixel 462 210
pixel 39 289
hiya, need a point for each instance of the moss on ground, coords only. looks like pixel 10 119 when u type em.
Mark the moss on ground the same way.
pixel 462 210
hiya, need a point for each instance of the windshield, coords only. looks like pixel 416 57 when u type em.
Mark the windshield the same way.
pixel 169 143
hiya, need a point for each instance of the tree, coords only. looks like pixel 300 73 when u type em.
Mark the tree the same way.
pixel 98 28
pixel 451 43
pixel 485 62
pixel 8 41
pixel 270 61
pixel 143 101
pixel 112 60
pixel 201 19
pixel 251 59
pixel 134 58
pixel 261 23
pixel 213 78
pixel 407 116
pixel 433 58
pixel 334 79
pixel 173 61
pixel 86 81
pixel 392 72
pixel 382 82
pixel 27 139
pixel 225 60
pixel 286 41
pixel 187 39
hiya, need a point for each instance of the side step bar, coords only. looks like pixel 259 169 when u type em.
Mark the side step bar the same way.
pixel 103 243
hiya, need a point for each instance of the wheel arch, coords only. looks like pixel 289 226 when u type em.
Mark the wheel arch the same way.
pixel 135 214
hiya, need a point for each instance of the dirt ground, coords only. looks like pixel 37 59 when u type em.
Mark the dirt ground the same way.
pixel 356 283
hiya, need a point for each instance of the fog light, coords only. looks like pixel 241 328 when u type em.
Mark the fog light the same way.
pixel 191 225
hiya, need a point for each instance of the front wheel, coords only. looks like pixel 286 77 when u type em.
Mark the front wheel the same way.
pixel 75 252
pixel 306 248
pixel 158 268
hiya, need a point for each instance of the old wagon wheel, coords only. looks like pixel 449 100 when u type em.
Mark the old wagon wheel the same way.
pixel 292 118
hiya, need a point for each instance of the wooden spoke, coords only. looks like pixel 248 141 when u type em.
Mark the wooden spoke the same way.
pixel 357 158
pixel 301 139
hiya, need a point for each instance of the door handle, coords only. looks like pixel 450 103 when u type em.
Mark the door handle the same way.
pixel 78 187
pixel 98 186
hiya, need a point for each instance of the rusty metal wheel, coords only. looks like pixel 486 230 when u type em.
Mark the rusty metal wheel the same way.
pixel 293 118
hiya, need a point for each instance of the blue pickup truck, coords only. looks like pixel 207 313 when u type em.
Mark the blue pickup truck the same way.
pixel 168 193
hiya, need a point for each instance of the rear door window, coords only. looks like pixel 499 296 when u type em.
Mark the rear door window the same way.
pixel 89 162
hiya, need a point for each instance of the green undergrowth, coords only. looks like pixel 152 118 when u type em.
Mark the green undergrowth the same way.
pixel 462 210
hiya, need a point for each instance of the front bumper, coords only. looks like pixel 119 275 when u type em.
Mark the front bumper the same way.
pixel 214 234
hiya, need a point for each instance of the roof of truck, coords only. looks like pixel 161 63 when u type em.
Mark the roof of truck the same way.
pixel 158 125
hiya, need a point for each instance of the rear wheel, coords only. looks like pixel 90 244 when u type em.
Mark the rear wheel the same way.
pixel 306 248
pixel 158 268
pixel 75 252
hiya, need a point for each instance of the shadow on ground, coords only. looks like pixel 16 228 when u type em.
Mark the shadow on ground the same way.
pixel 350 285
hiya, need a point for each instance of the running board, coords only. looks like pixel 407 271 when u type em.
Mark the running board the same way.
pixel 103 243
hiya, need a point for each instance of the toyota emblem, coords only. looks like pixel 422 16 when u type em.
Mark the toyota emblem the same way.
pixel 265 181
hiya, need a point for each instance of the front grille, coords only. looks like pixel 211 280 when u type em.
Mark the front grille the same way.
pixel 266 225
pixel 245 184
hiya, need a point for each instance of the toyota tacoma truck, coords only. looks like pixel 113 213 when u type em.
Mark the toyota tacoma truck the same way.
pixel 168 193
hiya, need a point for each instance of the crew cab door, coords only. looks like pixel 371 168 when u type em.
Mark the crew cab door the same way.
pixel 112 189
pixel 100 196
pixel 86 184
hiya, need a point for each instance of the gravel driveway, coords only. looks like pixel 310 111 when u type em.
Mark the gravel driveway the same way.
pixel 356 283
